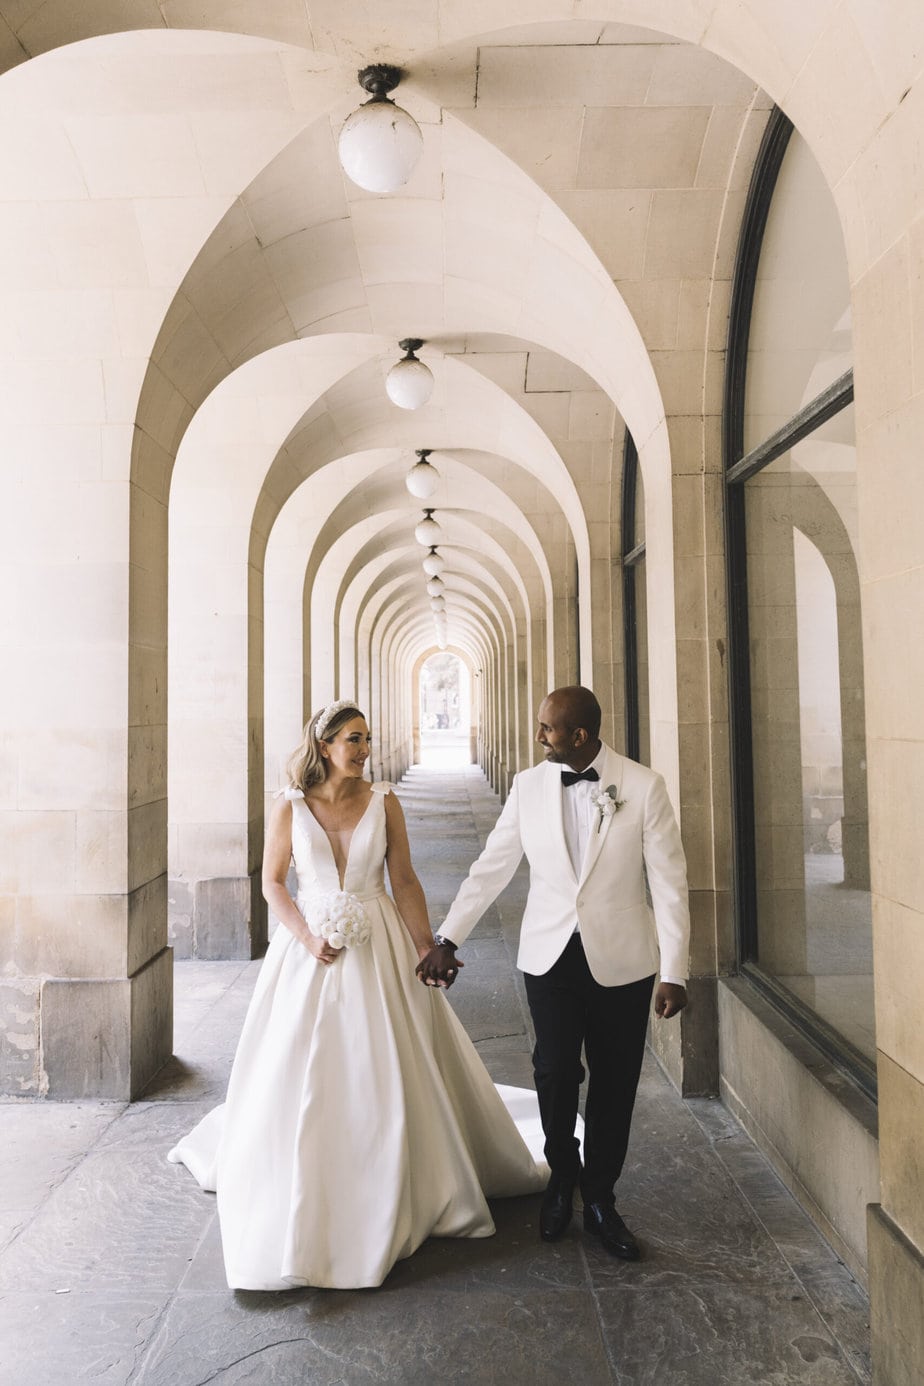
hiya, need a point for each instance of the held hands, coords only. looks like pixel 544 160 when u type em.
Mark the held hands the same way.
pixel 439 966
pixel 670 999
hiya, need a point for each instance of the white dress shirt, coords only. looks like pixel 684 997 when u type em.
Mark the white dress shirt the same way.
pixel 579 816
pixel 578 812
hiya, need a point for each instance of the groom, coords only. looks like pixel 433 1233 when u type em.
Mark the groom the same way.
pixel 592 825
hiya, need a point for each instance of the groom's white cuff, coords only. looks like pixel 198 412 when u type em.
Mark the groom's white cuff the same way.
pixel 675 981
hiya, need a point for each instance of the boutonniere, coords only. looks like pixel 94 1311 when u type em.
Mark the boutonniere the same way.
pixel 607 804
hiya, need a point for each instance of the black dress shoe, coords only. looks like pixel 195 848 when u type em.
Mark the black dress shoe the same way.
pixel 555 1213
pixel 602 1220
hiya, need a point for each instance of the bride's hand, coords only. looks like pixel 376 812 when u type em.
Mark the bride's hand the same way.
pixel 438 966
pixel 320 949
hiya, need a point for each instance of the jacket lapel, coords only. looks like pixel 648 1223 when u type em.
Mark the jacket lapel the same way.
pixel 611 775
pixel 552 807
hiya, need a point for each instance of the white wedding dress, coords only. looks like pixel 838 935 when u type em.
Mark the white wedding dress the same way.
pixel 359 1119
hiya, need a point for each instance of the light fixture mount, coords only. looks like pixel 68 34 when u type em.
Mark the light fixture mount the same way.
pixel 410 345
pixel 378 79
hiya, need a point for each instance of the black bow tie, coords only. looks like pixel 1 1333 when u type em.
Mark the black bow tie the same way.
pixel 569 777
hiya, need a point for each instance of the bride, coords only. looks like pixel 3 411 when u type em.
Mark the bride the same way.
pixel 359 1119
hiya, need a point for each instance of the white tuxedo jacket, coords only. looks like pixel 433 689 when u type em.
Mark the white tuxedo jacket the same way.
pixel 621 936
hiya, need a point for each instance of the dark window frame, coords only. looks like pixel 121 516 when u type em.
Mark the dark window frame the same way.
pixel 738 468
pixel 632 555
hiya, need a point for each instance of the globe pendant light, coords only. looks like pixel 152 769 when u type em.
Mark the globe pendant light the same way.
pixel 422 481
pixel 380 143
pixel 428 532
pixel 409 383
pixel 434 563
pixel 435 587
pixel 437 603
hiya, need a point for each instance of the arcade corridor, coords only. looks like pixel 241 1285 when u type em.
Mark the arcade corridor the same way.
pixel 598 361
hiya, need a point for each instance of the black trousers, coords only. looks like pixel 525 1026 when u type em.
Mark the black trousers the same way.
pixel 570 1011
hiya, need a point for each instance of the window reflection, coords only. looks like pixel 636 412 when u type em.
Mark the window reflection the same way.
pixel 641 638
pixel 635 607
pixel 800 339
pixel 640 578
pixel 814 931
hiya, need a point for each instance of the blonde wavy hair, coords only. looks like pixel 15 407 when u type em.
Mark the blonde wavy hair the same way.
pixel 306 765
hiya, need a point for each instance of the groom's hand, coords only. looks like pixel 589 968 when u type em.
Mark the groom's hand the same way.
pixel 669 999
pixel 440 966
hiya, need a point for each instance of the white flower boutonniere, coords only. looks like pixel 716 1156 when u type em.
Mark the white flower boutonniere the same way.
pixel 607 804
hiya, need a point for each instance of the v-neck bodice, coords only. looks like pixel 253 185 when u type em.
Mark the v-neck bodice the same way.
pixel 312 850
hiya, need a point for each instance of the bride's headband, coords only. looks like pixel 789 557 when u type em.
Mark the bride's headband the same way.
pixel 327 715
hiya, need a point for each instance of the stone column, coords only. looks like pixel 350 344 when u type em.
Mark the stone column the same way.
pixel 890 424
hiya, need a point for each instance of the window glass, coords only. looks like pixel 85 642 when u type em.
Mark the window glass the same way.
pixel 800 339
pixel 638 532
pixel 814 931
pixel 640 574
pixel 640 577
pixel 635 610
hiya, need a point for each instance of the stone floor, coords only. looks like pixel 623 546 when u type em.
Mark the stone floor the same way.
pixel 111 1268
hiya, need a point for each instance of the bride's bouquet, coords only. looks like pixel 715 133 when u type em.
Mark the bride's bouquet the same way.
pixel 340 918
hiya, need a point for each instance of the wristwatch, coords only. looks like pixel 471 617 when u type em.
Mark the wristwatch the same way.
pixel 440 942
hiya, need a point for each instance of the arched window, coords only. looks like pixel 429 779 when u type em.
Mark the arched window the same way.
pixel 801 851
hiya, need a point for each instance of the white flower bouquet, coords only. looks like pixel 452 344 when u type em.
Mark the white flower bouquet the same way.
pixel 340 918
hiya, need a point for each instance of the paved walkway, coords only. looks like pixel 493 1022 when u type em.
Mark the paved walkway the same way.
pixel 111 1268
